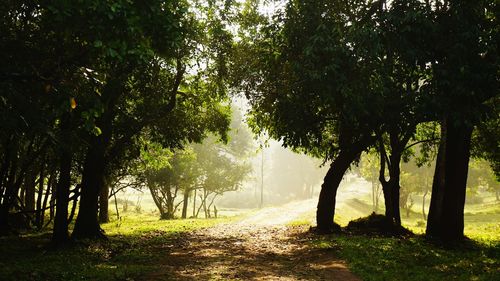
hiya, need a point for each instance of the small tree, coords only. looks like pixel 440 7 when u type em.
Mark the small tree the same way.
pixel 167 175
pixel 221 173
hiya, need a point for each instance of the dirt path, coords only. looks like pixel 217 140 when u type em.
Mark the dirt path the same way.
pixel 260 247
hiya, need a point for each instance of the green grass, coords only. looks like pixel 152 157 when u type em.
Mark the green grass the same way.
pixel 136 245
pixel 381 258
pixel 377 258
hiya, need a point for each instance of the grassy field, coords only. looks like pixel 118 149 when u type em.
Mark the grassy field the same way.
pixel 136 243
pixel 412 259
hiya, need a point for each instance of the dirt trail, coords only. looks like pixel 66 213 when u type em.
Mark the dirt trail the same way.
pixel 260 247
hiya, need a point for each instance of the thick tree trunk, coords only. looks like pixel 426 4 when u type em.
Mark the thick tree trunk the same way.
pixel 326 203
pixel 29 192
pixel 60 234
pixel 87 224
pixel 446 213
pixel 4 220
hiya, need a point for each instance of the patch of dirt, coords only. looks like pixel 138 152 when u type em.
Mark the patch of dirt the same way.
pixel 253 249
pixel 236 252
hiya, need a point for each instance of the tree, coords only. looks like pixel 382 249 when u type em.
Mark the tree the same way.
pixel 222 168
pixel 177 43
pixel 211 167
pixel 168 178
pixel 337 76
pixel 465 76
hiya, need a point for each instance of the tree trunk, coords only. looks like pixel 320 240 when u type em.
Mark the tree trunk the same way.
pixel 104 203
pixel 60 235
pixel 52 200
pixel 29 192
pixel 4 221
pixel 423 205
pixel 446 213
pixel 395 172
pixel 39 212
pixel 194 204
pixel 207 215
pixel 326 204
pixel 185 203
pixel 87 224
pixel 391 188
pixel 73 208
pixel 386 186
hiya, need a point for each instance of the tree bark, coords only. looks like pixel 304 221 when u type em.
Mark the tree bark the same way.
pixel 446 213
pixel 326 204
pixel 60 235
pixel 87 224
pixel 29 191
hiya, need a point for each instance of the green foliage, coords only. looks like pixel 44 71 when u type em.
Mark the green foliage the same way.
pixel 486 138
pixel 481 177
pixel 216 165
pixel 304 80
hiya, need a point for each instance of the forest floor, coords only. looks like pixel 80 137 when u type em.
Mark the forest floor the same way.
pixel 263 246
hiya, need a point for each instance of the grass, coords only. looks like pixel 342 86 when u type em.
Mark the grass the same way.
pixel 136 244
pixel 377 258
pixel 412 259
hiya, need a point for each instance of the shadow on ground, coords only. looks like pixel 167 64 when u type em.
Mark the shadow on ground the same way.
pixel 236 252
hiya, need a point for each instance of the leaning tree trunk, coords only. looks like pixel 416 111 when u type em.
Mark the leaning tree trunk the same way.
pixel 326 203
pixel 446 212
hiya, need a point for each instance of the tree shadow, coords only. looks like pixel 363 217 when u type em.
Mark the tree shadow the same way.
pixel 247 254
